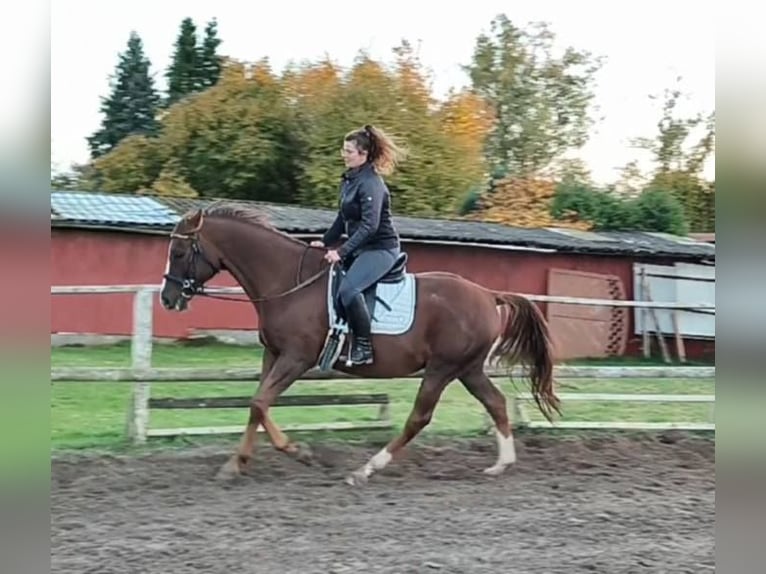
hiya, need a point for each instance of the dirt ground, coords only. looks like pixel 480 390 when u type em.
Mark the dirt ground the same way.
pixel 612 505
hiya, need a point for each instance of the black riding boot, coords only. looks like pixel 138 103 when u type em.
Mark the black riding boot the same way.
pixel 359 322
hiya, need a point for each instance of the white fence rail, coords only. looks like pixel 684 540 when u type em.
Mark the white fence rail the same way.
pixel 141 373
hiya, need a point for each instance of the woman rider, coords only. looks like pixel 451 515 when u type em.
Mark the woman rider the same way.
pixel 364 213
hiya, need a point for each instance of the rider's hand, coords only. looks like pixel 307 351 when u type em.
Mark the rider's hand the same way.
pixel 316 243
pixel 332 256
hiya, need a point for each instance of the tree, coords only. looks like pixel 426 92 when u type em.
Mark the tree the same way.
pixel 236 139
pixel 540 102
pixel 442 140
pixel 657 210
pixel 600 210
pixel 183 73
pixel 570 170
pixel 171 183
pixel 679 165
pixel 258 135
pixel 130 167
pixel 209 62
pixel 669 148
pixel 130 108
pixel 524 202
pixel 466 119
pixel 631 180
pixel 652 210
pixel 76 179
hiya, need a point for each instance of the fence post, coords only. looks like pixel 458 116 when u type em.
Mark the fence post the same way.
pixel 141 360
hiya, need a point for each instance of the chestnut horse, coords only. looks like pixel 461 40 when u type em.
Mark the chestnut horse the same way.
pixel 457 326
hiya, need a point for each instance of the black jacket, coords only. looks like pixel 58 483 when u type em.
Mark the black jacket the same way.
pixel 364 213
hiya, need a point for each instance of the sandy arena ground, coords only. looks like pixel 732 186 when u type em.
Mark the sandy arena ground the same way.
pixel 611 505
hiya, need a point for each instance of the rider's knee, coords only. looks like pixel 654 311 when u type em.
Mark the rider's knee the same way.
pixel 347 294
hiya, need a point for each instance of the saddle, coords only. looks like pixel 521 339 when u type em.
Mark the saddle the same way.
pixel 390 301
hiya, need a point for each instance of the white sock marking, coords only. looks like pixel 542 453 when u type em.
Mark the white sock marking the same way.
pixel 506 449
pixel 377 462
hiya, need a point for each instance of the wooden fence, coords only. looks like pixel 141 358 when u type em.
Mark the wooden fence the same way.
pixel 141 374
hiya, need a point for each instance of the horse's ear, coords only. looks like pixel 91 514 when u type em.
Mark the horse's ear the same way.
pixel 196 221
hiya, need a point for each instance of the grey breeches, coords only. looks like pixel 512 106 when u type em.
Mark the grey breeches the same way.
pixel 366 269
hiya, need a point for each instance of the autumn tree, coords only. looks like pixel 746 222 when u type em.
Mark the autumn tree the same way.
pixel 170 182
pixel 131 106
pixel 131 166
pixel 540 101
pixel 525 202
pixel 442 142
pixel 316 94
pixel 263 136
pixel 466 119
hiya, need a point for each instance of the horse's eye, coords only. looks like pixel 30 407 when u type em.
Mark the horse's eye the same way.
pixel 177 255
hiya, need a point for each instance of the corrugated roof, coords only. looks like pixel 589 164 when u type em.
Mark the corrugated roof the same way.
pixel 120 209
pixel 158 212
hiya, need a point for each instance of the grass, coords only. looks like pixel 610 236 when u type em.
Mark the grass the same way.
pixel 164 355
pixel 86 414
pixel 207 354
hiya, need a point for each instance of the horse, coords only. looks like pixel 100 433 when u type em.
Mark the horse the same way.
pixel 456 327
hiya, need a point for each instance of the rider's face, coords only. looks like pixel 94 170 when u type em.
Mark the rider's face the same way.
pixel 352 155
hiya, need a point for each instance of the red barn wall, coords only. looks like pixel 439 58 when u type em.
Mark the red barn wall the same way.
pixel 84 257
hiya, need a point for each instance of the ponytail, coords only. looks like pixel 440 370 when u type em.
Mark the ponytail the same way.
pixel 381 149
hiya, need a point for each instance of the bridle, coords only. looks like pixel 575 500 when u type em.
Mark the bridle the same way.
pixel 190 287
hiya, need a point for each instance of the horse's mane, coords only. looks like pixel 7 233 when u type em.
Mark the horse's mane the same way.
pixel 247 213
pixel 238 211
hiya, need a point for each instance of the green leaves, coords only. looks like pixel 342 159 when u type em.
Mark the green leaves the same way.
pixel 679 165
pixel 232 129
pixel 540 102
pixel 652 210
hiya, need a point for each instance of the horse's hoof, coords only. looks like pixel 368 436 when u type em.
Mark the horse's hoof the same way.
pixel 357 478
pixel 303 454
pixel 495 470
pixel 230 470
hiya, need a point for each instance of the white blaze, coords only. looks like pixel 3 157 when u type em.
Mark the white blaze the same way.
pixel 167 269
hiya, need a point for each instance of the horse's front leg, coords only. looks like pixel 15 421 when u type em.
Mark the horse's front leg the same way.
pixel 279 374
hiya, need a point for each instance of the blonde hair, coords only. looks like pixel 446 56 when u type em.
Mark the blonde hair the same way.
pixel 381 149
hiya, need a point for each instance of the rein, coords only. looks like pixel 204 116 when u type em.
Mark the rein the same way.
pixel 189 287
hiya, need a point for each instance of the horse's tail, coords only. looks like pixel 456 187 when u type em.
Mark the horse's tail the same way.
pixel 525 339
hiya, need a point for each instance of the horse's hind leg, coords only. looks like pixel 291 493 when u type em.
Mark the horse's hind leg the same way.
pixel 431 388
pixel 484 390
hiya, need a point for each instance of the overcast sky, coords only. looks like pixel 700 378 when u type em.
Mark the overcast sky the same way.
pixel 647 44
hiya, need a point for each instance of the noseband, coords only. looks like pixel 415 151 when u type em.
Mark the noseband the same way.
pixel 189 285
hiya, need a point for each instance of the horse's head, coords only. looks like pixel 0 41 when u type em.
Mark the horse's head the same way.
pixel 188 267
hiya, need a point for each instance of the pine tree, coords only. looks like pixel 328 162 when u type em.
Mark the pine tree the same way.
pixel 209 62
pixel 182 75
pixel 131 106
